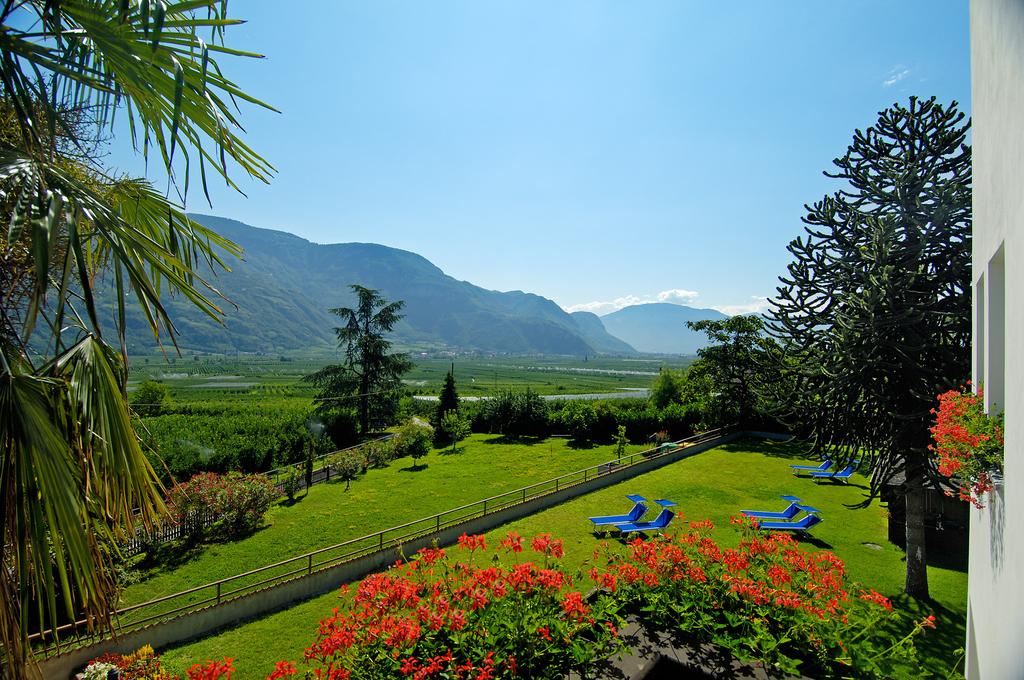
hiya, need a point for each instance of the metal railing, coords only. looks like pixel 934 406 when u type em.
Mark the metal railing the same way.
pixel 134 617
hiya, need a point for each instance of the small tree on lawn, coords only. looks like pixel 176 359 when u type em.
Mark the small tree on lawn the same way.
pixel 413 439
pixel 456 427
pixel 874 314
pixel 621 441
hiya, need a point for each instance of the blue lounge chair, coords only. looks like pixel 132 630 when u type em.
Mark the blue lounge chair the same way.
pixel 639 508
pixel 789 513
pixel 825 465
pixel 842 475
pixel 800 526
pixel 657 524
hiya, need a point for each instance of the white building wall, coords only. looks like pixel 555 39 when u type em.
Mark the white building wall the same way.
pixel 995 612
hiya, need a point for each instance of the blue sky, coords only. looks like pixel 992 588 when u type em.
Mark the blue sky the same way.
pixel 597 153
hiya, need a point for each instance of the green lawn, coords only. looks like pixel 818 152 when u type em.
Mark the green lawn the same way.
pixel 714 485
pixel 483 466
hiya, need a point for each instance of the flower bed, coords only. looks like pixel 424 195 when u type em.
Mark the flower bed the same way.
pixel 499 614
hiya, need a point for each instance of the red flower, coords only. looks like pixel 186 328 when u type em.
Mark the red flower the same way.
pixel 211 670
pixel 282 670
pixel 513 542
pixel 472 543
pixel 544 632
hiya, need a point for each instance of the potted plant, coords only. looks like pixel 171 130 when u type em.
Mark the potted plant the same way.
pixel 968 443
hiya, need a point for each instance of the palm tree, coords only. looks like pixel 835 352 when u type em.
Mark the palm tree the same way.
pixel 73 477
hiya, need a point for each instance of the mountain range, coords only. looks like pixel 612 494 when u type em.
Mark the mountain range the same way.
pixel 282 289
pixel 659 327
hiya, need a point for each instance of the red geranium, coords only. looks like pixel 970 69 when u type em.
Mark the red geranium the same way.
pixel 968 443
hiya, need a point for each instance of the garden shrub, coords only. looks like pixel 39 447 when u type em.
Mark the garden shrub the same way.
pixel 413 439
pixel 766 600
pixel 238 502
pixel 578 419
pixel 378 453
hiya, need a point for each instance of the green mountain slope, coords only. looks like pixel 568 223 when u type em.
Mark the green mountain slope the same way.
pixel 283 288
pixel 597 335
pixel 659 327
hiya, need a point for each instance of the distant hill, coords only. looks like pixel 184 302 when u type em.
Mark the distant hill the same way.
pixel 597 335
pixel 285 285
pixel 659 327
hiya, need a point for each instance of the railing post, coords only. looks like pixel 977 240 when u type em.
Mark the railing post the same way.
pixel 381 534
pixel 437 526
pixel 485 507
pixel 218 592
pixel 556 483
pixel 309 570
pixel 584 474
pixel 524 494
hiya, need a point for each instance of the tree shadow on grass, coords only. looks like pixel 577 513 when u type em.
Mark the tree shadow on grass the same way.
pixel 414 468
pixel 581 444
pixel 507 439
pixel 936 646
pixel 791 450
pixel 449 451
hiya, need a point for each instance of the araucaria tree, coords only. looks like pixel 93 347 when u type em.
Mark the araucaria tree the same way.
pixel 874 312
pixel 73 477
pixel 370 375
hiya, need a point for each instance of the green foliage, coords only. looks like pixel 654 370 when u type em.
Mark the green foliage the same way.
pixel 621 441
pixel 378 453
pixel 740 360
pixel 448 400
pixel 874 313
pixel 150 398
pixel 292 483
pixel 370 376
pixel 413 439
pixel 578 418
pixel 456 427
pixel 348 465
pixel 666 389
pixel 224 438
pixel 517 414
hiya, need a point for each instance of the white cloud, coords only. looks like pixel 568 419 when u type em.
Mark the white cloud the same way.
pixel 895 75
pixel 756 306
pixel 677 296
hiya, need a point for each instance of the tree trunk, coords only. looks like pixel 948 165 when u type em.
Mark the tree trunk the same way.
pixel 917 560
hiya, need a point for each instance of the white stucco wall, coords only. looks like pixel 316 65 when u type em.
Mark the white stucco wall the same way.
pixel 995 619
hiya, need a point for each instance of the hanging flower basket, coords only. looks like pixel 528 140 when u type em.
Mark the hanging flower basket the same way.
pixel 968 443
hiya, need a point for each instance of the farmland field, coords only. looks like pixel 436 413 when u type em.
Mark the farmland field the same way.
pixel 254 378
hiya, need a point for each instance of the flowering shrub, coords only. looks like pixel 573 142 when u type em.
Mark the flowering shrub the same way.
pixel 968 443
pixel 766 600
pixel 238 501
pixel 142 664
pixel 434 617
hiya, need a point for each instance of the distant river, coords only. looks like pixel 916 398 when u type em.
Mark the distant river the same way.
pixel 628 393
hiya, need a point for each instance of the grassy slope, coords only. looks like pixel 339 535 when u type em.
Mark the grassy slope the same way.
pixel 712 485
pixel 483 466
